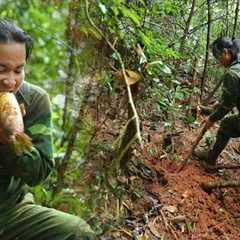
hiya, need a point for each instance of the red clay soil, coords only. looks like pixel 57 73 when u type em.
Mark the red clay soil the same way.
pixel 186 211
pixel 206 216
pixel 210 217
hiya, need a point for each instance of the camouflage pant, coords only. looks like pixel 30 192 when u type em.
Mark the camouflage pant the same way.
pixel 230 127
pixel 27 221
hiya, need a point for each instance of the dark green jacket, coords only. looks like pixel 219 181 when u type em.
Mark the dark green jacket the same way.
pixel 231 92
pixel 32 167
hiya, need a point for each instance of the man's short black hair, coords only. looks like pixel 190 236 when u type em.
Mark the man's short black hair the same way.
pixel 9 32
pixel 232 44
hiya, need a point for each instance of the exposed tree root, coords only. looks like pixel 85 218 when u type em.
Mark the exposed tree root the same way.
pixel 220 184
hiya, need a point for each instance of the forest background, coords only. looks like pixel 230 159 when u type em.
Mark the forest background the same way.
pixel 118 72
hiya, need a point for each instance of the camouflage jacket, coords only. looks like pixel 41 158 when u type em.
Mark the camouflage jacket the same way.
pixel 230 94
pixel 32 167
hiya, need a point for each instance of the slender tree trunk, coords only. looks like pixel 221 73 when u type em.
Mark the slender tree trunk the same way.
pixel 71 33
pixel 61 168
pixel 193 84
pixel 236 18
pixel 207 48
pixel 227 21
pixel 186 30
pixel 68 88
pixel 73 43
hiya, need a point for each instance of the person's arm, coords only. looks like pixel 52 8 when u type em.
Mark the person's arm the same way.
pixel 35 165
pixel 229 97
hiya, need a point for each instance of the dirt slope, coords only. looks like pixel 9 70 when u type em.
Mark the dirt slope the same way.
pixel 182 209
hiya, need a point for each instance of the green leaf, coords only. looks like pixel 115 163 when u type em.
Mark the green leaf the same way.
pixel 166 69
pixel 189 120
pixel 115 10
pixel 131 14
pixel 162 104
pixel 102 7
pixel 147 41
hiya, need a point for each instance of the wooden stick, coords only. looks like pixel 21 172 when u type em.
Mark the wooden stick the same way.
pixel 225 166
pixel 206 101
pixel 194 145
pixel 221 184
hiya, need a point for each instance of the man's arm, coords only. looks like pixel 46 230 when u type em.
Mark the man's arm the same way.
pixel 35 165
pixel 229 97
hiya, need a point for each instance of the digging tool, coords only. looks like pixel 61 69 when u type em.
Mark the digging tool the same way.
pixel 194 145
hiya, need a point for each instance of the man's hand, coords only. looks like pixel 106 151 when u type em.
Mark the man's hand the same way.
pixel 208 123
pixel 3 138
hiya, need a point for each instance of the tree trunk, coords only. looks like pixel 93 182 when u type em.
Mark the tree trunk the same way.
pixel 72 23
pixel 62 167
pixel 227 21
pixel 236 18
pixel 193 82
pixel 71 33
pixel 207 48
pixel 186 30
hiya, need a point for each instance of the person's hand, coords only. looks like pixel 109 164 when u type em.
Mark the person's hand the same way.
pixel 208 123
pixel 3 138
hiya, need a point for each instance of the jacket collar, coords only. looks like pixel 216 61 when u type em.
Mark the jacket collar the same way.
pixel 23 93
pixel 235 62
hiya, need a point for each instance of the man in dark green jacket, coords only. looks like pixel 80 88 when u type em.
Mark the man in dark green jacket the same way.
pixel 20 218
pixel 226 51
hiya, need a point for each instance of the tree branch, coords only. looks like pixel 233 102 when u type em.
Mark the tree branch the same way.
pixel 123 71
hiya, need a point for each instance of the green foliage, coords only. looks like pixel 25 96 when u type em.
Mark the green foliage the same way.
pixel 66 199
pixel 45 25
pixel 124 22
pixel 58 63
pixel 168 100
pixel 209 138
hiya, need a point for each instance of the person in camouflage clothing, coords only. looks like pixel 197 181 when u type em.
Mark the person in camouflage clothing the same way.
pixel 20 218
pixel 226 51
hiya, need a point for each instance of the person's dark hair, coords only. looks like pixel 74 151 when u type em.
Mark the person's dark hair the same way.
pixel 232 44
pixel 9 32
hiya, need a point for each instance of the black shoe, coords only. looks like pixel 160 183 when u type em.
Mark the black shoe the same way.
pixel 201 155
pixel 208 167
pixel 207 157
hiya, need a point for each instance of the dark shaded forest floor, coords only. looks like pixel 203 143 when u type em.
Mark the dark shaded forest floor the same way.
pixel 175 206
pixel 155 201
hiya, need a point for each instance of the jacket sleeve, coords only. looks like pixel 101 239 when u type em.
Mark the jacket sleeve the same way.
pixel 229 97
pixel 33 166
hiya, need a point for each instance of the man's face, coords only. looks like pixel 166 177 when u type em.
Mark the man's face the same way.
pixel 12 62
pixel 225 57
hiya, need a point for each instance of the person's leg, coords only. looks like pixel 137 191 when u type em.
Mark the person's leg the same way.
pixel 229 128
pixel 32 222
